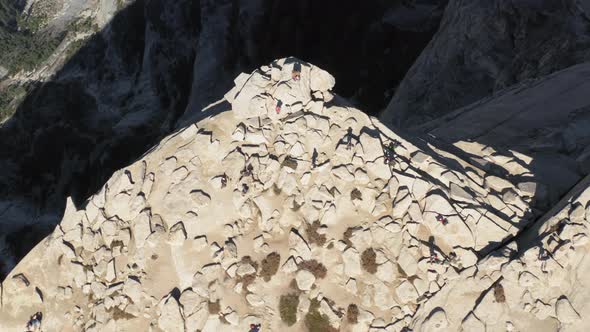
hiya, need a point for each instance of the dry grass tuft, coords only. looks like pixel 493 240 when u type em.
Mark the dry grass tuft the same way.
pixel 316 268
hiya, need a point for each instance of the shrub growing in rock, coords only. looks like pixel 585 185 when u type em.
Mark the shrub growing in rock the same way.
pixel 289 162
pixel 288 308
pixel 356 194
pixel 347 235
pixel 316 268
pixel 316 321
pixel 352 313
pixel 119 314
pixel 270 266
pixel 214 307
pixel 312 234
pixel 368 260
pixel 24 50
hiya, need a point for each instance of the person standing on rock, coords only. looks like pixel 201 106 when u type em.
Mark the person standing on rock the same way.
pixel 433 259
pixel 296 73
pixel 389 154
pixel 34 324
pixel 278 107
pixel 442 219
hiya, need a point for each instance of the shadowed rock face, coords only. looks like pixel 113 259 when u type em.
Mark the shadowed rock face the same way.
pixel 156 64
pixel 537 129
pixel 485 46
pixel 369 52
pixel 112 100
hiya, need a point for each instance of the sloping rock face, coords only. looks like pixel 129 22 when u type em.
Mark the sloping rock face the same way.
pixel 536 130
pixel 287 209
pixel 484 46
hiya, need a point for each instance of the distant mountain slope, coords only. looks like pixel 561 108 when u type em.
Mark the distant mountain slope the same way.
pixel 484 46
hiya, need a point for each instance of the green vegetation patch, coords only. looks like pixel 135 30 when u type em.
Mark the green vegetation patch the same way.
pixel 23 43
pixel 9 97
pixel 316 321
pixel 32 23
pixel 25 51
pixel 313 236
pixel 83 25
pixel 270 266
pixel 288 308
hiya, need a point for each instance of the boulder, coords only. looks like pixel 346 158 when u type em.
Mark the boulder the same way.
pixel 321 80
pixel 406 292
pixel 565 311
pixel 170 317
pixel 305 280
pixel 352 262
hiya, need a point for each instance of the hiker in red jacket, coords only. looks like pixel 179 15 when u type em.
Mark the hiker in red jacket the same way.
pixel 442 219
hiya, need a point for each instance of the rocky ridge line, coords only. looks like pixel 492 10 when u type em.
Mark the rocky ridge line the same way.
pixel 292 209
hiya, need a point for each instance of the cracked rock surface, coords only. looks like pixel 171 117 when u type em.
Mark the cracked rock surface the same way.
pixel 290 208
